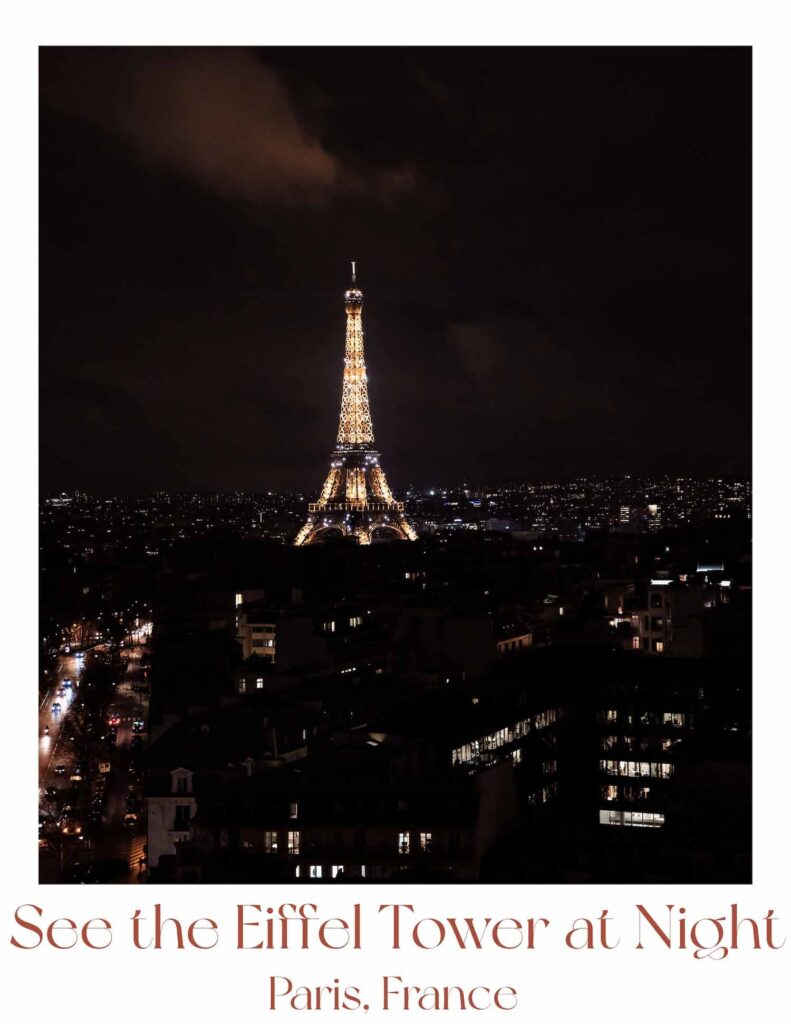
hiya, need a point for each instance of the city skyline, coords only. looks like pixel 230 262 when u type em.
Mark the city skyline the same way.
pixel 568 510
pixel 565 662
pixel 542 230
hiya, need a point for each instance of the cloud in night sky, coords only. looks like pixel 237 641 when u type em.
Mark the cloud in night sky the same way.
pixel 221 117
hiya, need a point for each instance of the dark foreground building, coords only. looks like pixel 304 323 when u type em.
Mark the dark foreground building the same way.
pixel 492 705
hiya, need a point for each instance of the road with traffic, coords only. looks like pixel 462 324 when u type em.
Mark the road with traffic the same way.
pixel 115 831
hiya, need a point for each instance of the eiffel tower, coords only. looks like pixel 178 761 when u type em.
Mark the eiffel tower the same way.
pixel 355 500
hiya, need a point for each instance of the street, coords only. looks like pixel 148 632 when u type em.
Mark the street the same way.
pixel 107 839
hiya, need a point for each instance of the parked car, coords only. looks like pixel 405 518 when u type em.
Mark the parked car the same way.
pixel 69 825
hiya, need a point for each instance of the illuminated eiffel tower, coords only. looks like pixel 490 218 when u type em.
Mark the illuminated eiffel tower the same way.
pixel 355 500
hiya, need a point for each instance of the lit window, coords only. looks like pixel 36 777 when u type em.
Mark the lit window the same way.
pixel 270 842
pixel 293 842
pixel 293 809
pixel 337 869
pixel 238 598
pixel 637 769
pixel 403 843
pixel 545 718
pixel 633 819
pixel 315 871
pixel 425 842
pixel 259 684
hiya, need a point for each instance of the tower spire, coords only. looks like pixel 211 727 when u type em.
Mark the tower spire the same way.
pixel 356 499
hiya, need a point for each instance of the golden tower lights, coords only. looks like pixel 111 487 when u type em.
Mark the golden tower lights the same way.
pixel 355 499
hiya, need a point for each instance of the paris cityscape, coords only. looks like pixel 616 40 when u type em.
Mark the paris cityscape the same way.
pixel 576 612
pixel 429 566
pixel 448 677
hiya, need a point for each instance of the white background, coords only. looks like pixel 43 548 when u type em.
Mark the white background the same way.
pixel 655 984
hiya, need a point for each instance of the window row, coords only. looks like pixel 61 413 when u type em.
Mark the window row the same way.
pixel 425 842
pixel 636 769
pixel 501 737
pixel 404 844
pixel 676 719
pixel 272 842
pixel 317 871
pixel 645 743
pixel 626 794
pixel 634 819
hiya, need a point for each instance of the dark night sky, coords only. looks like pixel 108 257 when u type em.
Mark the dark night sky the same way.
pixel 554 247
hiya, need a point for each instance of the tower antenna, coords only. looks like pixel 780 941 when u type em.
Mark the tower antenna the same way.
pixel 354 272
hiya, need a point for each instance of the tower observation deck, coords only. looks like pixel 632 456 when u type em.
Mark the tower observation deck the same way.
pixel 355 500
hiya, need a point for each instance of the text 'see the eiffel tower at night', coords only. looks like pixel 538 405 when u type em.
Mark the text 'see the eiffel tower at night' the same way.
pixel 356 500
